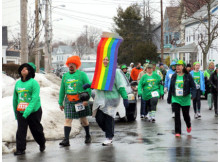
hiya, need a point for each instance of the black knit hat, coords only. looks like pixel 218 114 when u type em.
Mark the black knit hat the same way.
pixel 188 65
pixel 31 71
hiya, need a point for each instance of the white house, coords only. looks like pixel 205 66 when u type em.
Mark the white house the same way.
pixel 194 32
pixel 60 55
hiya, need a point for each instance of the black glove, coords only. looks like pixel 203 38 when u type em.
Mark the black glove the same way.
pixel 85 86
pixel 125 102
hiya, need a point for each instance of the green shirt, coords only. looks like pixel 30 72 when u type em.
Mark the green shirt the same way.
pixel 150 86
pixel 73 84
pixel 196 77
pixel 179 98
pixel 27 92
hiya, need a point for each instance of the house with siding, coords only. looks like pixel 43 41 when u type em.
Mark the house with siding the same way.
pixel 60 55
pixel 195 31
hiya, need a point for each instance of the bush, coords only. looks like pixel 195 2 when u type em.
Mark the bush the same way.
pixel 11 70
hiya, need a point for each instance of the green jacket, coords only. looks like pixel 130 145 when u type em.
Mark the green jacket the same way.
pixel 148 85
pixel 28 92
pixel 73 84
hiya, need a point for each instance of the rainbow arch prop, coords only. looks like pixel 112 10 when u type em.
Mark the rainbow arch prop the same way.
pixel 108 47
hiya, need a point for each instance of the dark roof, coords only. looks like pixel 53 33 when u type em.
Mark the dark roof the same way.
pixel 4 36
pixel 13 53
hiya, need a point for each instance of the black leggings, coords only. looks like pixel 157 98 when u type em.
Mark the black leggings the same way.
pixel 197 102
pixel 151 104
pixel 106 123
pixel 215 98
pixel 185 111
pixel 33 121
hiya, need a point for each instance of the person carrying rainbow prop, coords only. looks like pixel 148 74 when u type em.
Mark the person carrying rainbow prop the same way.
pixel 108 84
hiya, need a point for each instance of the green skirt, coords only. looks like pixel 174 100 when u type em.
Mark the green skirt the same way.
pixel 70 112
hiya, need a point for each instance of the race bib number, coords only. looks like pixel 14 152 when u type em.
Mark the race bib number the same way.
pixel 154 94
pixel 22 106
pixel 170 75
pixel 79 107
pixel 179 92
pixel 197 86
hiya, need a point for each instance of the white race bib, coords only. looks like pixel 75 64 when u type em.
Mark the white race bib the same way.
pixel 154 94
pixel 197 86
pixel 179 92
pixel 79 107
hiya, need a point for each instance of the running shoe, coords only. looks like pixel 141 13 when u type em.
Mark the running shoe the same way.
pixel 107 142
pixel 189 129
pixel 199 115
pixel 177 135
pixel 196 116
pixel 173 115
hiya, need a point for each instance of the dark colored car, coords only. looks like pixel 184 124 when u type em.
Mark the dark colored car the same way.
pixel 130 113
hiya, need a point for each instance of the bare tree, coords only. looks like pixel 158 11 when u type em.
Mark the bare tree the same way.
pixel 92 35
pixel 80 45
pixel 208 23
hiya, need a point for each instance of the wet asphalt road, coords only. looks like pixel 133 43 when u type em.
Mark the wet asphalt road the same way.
pixel 137 142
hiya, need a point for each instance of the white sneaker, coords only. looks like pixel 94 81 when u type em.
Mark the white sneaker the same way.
pixel 196 116
pixel 199 115
pixel 173 115
pixel 107 142
pixel 149 119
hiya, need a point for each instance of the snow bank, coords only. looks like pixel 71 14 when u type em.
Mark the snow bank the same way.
pixel 52 117
pixel 7 84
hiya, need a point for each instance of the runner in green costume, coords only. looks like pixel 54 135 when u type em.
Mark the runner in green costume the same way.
pixel 27 108
pixel 150 88
pixel 75 107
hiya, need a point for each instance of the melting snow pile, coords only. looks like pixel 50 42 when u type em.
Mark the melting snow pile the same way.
pixel 52 117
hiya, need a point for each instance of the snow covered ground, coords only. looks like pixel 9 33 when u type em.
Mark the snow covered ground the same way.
pixel 52 117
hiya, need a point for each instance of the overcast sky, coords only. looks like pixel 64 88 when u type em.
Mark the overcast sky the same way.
pixel 75 15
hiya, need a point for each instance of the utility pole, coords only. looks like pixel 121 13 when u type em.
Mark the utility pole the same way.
pixel 46 57
pixel 24 39
pixel 37 61
pixel 51 36
pixel 161 6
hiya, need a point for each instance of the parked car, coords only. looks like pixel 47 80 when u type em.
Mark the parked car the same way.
pixel 87 64
pixel 128 114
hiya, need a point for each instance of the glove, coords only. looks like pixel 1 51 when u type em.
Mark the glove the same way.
pixel 85 86
pixel 125 102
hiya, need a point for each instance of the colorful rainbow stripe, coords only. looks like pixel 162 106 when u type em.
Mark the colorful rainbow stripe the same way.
pixel 104 76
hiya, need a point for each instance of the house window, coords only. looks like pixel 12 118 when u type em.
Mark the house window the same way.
pixel 166 39
pixel 189 38
pixel 57 58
